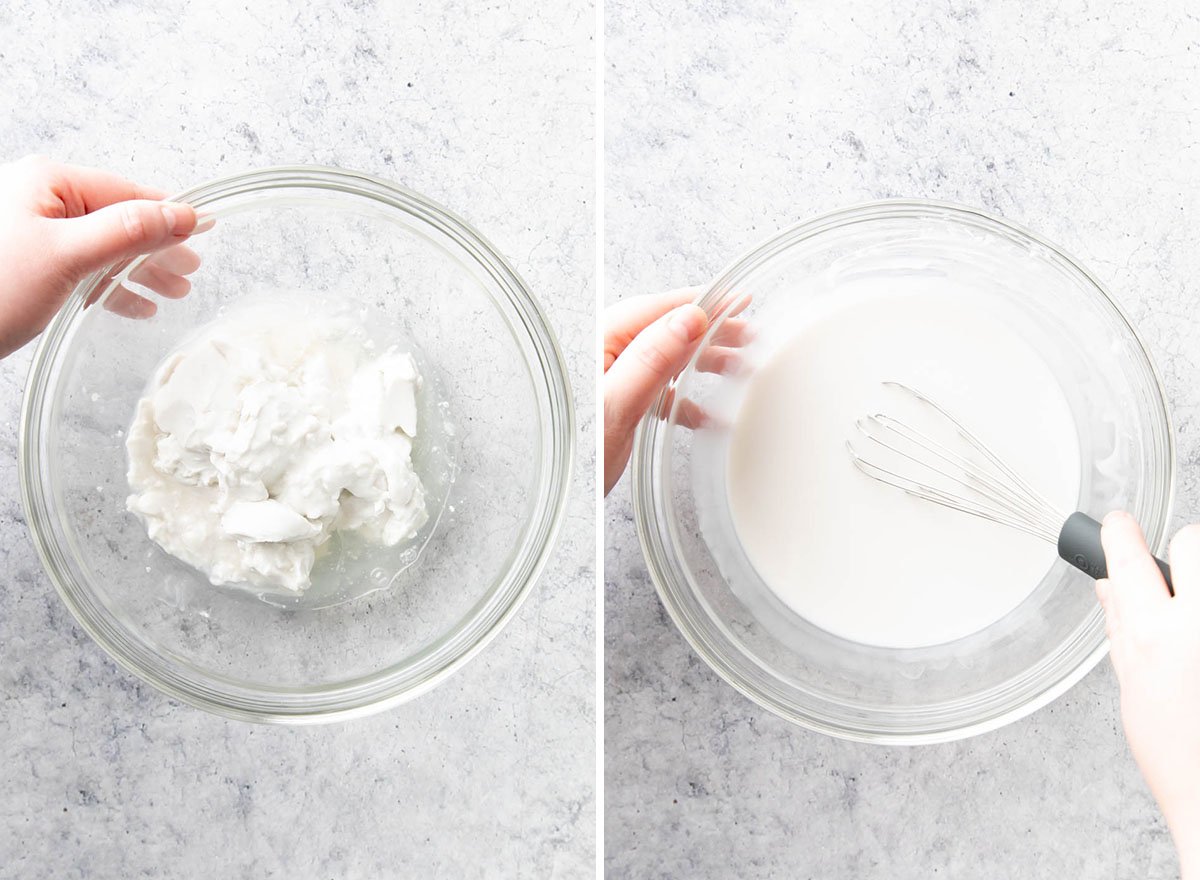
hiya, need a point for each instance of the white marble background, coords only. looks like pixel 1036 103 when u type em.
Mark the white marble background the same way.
pixel 487 109
pixel 727 121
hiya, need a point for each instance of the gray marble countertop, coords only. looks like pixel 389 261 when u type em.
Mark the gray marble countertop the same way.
pixel 726 122
pixel 492 774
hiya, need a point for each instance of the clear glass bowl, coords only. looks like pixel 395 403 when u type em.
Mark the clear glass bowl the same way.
pixel 872 694
pixel 379 625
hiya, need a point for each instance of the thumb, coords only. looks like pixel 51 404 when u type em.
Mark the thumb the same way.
pixel 646 365
pixel 122 231
pixel 1135 583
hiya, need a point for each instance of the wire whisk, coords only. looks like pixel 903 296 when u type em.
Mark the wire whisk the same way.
pixel 972 479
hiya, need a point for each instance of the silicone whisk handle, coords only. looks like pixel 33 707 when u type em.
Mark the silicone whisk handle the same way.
pixel 1079 544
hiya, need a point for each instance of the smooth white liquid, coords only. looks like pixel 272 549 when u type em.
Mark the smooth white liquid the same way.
pixel 863 560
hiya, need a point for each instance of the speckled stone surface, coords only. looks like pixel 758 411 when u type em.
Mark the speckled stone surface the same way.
pixel 728 121
pixel 486 109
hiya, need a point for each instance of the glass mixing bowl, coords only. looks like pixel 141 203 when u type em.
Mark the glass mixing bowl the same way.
pixel 494 449
pixel 887 695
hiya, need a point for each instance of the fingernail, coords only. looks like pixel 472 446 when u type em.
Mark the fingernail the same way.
pixel 204 222
pixel 688 323
pixel 177 216
pixel 1114 515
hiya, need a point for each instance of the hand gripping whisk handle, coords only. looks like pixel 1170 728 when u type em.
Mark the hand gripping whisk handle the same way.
pixel 1079 544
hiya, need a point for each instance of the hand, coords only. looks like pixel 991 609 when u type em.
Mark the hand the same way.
pixel 59 223
pixel 648 340
pixel 1155 649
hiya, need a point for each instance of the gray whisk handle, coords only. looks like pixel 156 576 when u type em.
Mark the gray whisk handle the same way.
pixel 1079 544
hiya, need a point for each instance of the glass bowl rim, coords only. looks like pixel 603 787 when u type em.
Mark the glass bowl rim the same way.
pixel 392 684
pixel 674 588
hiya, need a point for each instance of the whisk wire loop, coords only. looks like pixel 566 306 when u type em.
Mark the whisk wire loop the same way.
pixel 984 487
